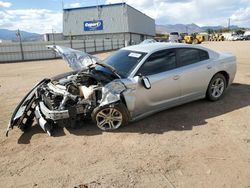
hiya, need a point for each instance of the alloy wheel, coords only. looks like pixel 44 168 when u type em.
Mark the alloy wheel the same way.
pixel 217 87
pixel 109 119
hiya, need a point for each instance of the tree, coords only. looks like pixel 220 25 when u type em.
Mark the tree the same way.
pixel 210 31
pixel 239 32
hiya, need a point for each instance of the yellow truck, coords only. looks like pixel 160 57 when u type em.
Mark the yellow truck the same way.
pixel 198 39
pixel 192 39
pixel 216 37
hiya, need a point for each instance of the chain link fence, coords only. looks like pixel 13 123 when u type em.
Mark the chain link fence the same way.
pixel 11 52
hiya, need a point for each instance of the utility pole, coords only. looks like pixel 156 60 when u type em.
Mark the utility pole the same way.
pixel 62 5
pixel 71 45
pixel 53 36
pixel 229 23
pixel 98 17
pixel 18 34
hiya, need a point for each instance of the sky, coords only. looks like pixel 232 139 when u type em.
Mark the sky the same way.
pixel 41 16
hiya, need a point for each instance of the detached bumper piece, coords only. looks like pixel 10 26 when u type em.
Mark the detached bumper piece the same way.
pixel 47 118
pixel 43 122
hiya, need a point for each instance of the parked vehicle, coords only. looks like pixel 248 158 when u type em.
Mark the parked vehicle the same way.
pixel 246 37
pixel 216 37
pixel 192 39
pixel 198 39
pixel 147 41
pixel 240 37
pixel 188 39
pixel 174 37
pixel 132 83
pixel 235 37
pixel 232 38
pixel 185 38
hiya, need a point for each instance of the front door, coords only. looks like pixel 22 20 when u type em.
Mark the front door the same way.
pixel 165 89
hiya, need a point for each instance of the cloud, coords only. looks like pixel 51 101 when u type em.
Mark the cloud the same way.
pixel 242 14
pixel 73 5
pixel 201 12
pixel 33 20
pixel 242 17
pixel 5 4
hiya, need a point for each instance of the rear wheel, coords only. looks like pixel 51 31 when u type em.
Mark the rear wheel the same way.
pixel 110 117
pixel 216 87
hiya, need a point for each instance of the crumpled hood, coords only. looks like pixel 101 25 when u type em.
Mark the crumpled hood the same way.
pixel 76 59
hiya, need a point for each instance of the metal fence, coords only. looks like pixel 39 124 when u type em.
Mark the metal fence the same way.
pixel 38 51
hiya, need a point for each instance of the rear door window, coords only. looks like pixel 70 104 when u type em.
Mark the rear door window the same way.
pixel 203 55
pixel 188 56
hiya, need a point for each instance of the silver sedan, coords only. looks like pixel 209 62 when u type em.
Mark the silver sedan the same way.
pixel 132 83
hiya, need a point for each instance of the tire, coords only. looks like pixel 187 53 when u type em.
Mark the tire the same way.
pixel 216 87
pixel 108 118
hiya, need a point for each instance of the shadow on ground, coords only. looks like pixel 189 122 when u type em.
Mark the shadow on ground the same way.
pixel 180 118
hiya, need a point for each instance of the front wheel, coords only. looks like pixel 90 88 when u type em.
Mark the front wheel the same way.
pixel 216 87
pixel 110 117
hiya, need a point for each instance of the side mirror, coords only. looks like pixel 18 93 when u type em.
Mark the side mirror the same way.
pixel 146 83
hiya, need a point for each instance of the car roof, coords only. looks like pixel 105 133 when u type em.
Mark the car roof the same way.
pixel 152 47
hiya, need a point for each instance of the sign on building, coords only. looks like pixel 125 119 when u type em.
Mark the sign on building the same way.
pixel 95 25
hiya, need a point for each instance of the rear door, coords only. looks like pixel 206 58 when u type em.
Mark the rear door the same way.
pixel 196 70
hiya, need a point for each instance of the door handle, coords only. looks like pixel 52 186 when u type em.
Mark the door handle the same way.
pixel 176 77
pixel 209 66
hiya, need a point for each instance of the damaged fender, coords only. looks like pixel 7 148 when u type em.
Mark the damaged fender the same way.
pixel 112 92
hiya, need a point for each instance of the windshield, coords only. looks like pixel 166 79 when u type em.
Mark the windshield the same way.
pixel 123 61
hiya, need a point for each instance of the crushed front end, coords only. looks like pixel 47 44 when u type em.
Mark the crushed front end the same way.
pixel 65 101
pixel 68 98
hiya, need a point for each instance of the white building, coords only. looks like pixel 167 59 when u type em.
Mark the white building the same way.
pixel 5 41
pixel 111 21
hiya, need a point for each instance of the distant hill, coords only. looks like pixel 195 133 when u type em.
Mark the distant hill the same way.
pixel 6 34
pixel 183 28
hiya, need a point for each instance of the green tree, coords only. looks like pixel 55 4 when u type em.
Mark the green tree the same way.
pixel 239 32
pixel 210 31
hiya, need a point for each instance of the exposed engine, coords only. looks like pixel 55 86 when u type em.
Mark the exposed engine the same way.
pixel 78 93
pixel 67 92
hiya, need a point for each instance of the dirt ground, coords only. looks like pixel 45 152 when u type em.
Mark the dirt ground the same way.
pixel 200 144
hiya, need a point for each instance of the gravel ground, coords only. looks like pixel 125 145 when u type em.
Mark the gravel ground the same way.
pixel 200 144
